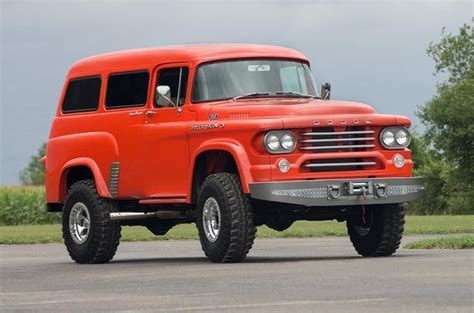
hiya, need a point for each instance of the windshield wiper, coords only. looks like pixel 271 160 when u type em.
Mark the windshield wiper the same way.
pixel 251 95
pixel 294 93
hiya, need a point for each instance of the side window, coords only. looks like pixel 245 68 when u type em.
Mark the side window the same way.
pixel 82 94
pixel 176 78
pixel 127 90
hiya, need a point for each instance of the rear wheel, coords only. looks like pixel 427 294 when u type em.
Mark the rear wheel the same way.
pixel 224 219
pixel 379 233
pixel 89 234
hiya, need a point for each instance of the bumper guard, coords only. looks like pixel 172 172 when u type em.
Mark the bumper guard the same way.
pixel 340 192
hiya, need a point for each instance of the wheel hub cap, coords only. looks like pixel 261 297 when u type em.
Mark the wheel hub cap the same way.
pixel 211 219
pixel 79 223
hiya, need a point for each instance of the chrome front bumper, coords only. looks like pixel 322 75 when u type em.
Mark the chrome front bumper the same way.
pixel 340 192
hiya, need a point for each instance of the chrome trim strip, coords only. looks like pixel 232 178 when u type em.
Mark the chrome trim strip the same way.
pixel 122 216
pixel 340 164
pixel 338 139
pixel 350 132
pixel 337 147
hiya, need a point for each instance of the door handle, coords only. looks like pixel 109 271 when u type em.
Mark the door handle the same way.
pixel 150 113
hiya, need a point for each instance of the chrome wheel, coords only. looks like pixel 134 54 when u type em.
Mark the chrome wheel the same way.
pixel 79 223
pixel 211 219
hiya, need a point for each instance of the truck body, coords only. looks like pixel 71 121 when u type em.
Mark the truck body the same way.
pixel 200 133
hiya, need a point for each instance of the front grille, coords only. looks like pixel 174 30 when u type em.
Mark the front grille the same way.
pixel 328 139
pixel 343 164
pixel 341 139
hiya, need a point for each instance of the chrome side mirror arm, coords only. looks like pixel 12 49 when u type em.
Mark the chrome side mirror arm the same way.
pixel 163 95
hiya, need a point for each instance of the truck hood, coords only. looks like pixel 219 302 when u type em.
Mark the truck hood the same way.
pixel 288 107
pixel 304 112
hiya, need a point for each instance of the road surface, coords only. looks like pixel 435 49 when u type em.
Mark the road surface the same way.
pixel 280 275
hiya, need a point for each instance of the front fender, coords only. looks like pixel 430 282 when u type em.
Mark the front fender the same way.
pixel 236 150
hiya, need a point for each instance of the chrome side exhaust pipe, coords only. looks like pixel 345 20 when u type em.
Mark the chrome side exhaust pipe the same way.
pixel 122 216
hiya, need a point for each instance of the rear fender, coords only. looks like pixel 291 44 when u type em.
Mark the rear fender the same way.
pixel 101 185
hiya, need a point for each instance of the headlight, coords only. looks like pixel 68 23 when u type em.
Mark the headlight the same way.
pixel 287 142
pixel 273 143
pixel 388 138
pixel 401 137
pixel 281 141
pixel 395 137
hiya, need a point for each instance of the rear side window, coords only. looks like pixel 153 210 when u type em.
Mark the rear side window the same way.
pixel 127 90
pixel 82 94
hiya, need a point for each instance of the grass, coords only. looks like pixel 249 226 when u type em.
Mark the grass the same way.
pixel 440 224
pixel 464 242
pixel 24 205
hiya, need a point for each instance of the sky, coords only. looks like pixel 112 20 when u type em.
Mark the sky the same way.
pixel 371 51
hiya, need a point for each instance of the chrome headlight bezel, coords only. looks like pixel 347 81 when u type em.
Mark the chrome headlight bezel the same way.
pixel 279 134
pixel 395 130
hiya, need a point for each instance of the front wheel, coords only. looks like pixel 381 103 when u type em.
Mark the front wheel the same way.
pixel 380 231
pixel 89 234
pixel 224 219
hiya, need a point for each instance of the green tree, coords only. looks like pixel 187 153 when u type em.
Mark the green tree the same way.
pixel 33 173
pixel 429 166
pixel 448 143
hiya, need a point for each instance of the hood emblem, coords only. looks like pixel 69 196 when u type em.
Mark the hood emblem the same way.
pixel 213 116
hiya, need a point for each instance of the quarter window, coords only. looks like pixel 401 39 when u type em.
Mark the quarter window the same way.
pixel 127 90
pixel 82 94
pixel 176 78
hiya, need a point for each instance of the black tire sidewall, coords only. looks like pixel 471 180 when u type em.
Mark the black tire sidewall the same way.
pixel 85 193
pixel 386 230
pixel 369 242
pixel 221 245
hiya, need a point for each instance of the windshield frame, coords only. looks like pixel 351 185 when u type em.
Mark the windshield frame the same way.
pixel 196 69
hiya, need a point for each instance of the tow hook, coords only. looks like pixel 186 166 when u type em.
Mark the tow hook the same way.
pixel 380 190
pixel 334 192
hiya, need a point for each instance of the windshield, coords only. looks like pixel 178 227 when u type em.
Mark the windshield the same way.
pixel 231 79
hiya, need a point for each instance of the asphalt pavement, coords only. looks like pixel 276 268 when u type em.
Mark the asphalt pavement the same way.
pixel 280 275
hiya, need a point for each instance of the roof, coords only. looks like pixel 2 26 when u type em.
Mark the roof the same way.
pixel 196 53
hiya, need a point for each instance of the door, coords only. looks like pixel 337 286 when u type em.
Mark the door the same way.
pixel 165 139
pixel 124 117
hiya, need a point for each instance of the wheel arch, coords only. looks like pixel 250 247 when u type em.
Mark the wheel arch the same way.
pixel 80 169
pixel 216 157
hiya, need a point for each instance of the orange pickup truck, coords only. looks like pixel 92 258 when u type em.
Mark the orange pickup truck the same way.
pixel 229 137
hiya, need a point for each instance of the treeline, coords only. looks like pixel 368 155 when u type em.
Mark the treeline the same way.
pixel 444 154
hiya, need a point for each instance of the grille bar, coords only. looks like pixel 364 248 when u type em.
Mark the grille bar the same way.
pixel 310 165
pixel 338 139
pixel 337 147
pixel 350 132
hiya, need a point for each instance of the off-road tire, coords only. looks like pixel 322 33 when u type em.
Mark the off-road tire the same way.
pixel 104 235
pixel 385 230
pixel 237 230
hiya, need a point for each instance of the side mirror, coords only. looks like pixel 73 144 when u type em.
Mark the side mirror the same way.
pixel 162 96
pixel 326 91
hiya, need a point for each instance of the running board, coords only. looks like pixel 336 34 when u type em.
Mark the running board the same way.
pixel 122 216
pixel 163 201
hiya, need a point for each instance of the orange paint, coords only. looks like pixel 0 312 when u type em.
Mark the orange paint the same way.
pixel 157 148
